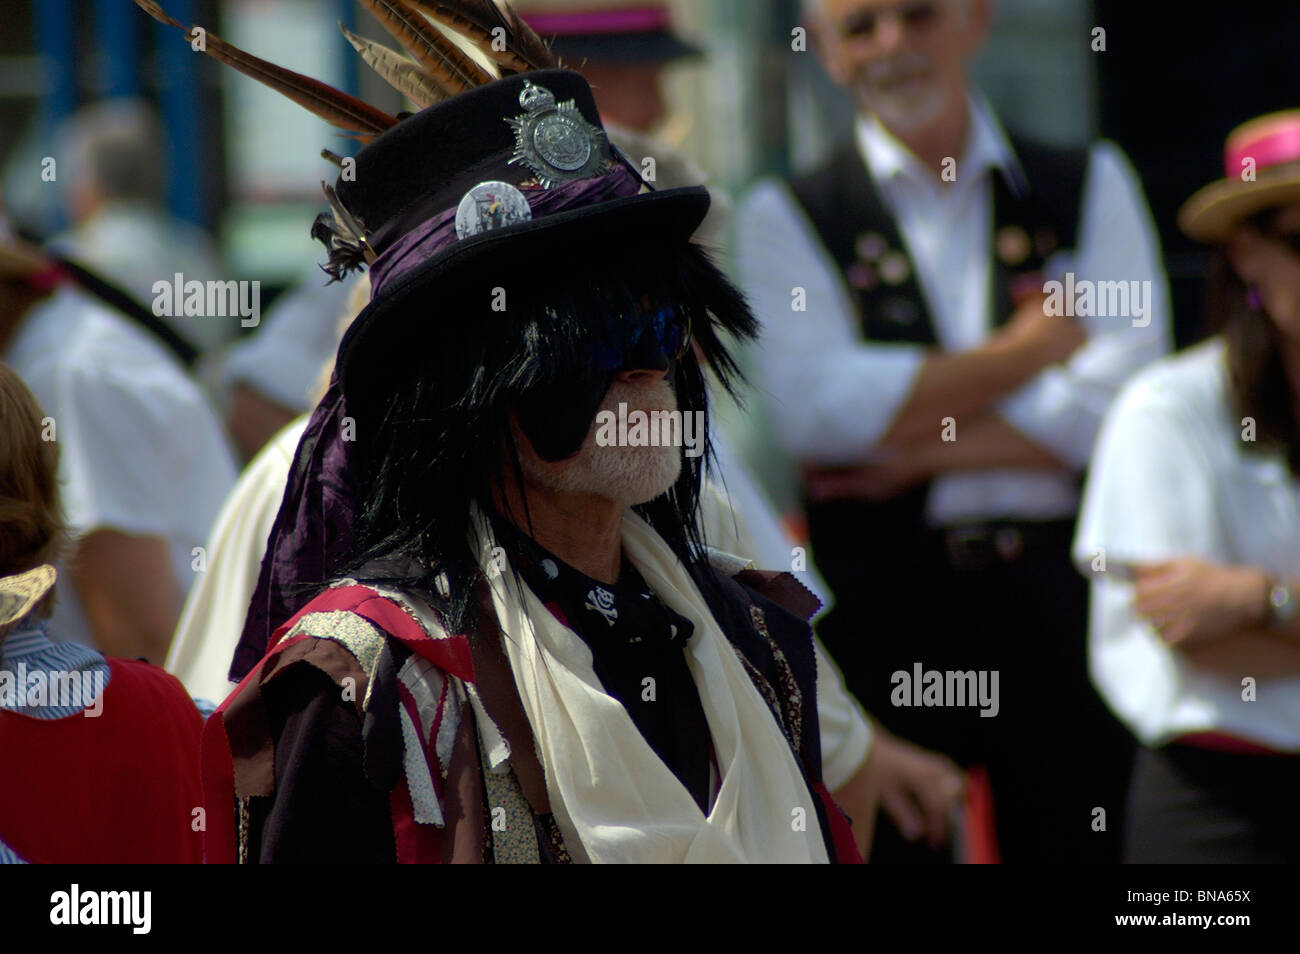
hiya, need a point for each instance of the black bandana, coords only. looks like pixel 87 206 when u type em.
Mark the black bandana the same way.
pixel 636 645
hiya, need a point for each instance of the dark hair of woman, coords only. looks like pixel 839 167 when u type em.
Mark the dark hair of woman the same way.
pixel 31 519
pixel 439 436
pixel 1260 387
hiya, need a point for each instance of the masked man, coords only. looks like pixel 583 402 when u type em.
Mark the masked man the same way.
pixel 510 643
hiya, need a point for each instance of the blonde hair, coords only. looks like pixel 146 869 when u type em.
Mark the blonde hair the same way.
pixel 31 518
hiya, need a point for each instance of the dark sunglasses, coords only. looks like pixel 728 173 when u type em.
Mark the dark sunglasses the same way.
pixel 865 23
pixel 669 328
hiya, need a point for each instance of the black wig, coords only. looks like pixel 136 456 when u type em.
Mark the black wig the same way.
pixel 432 427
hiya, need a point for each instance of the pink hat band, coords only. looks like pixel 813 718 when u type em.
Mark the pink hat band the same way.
pixel 1277 145
pixel 589 23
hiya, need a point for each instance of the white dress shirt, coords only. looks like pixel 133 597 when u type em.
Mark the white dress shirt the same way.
pixel 833 395
pixel 140 450
pixel 1172 477
pixel 135 245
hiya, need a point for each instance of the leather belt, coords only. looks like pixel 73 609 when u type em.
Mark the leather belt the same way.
pixel 979 546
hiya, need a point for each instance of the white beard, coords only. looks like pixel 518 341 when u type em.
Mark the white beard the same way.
pixel 626 475
pixel 903 107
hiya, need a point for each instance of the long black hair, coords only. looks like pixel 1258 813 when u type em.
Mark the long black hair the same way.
pixel 433 434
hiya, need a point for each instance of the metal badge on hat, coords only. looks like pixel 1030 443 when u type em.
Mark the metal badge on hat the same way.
pixel 491 205
pixel 554 140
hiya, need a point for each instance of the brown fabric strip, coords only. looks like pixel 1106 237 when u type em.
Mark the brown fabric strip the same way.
pixel 495 682
pixel 462 798
pixel 247 728
pixel 782 588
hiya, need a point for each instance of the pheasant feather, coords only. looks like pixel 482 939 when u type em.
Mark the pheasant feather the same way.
pixel 523 49
pixel 443 61
pixel 400 72
pixel 332 105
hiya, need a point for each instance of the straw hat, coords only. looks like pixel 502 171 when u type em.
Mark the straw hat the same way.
pixel 21 592
pixel 19 259
pixel 1261 160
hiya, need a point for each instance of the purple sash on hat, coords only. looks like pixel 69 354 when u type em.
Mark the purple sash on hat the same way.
pixel 439 231
pixel 312 531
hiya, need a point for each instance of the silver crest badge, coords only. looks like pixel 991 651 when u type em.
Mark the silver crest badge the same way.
pixel 491 205
pixel 554 140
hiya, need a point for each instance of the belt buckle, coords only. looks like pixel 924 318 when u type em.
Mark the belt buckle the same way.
pixel 970 547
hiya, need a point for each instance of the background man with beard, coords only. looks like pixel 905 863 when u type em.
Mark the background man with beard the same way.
pixel 942 416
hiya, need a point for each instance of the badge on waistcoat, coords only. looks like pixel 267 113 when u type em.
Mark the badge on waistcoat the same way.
pixel 1013 245
pixel 870 246
pixel 877 262
pixel 894 268
pixel 862 276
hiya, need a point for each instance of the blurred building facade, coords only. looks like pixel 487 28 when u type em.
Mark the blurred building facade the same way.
pixel 245 164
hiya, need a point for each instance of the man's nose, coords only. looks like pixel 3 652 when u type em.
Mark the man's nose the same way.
pixel 646 357
pixel 890 31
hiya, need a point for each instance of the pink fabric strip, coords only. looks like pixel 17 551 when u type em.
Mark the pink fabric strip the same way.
pixel 1275 149
pixel 635 20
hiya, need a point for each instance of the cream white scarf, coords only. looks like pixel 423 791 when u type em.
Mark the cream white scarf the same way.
pixel 613 798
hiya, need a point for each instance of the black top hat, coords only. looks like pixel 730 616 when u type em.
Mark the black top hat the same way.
pixel 516 172
pixel 502 176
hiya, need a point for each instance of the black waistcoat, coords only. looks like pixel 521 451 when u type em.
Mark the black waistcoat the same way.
pixel 873 554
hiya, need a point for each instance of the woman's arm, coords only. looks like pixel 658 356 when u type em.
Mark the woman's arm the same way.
pixel 1218 616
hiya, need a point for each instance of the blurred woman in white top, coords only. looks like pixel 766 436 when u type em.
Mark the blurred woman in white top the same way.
pixel 1190 533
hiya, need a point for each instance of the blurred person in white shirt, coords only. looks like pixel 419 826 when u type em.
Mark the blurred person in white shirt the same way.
pixel 143 463
pixel 112 158
pixel 1190 535
pixel 943 402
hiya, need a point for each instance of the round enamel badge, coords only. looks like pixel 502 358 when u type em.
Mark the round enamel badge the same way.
pixel 491 205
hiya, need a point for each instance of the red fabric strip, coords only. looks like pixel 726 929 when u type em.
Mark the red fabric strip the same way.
pixel 977 820
pixel 1219 742
pixel 449 653
pixel 339 598
pixel 416 844
pixel 846 846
